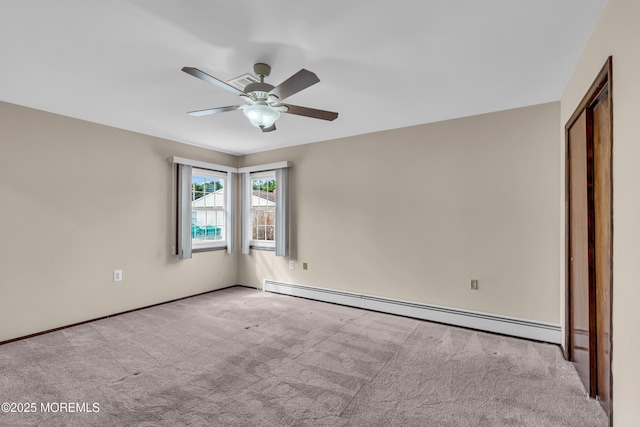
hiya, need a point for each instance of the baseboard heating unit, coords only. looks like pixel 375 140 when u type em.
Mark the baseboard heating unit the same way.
pixel 523 328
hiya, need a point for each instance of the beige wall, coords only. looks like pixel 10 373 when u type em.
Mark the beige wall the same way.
pixel 78 201
pixel 475 198
pixel 618 34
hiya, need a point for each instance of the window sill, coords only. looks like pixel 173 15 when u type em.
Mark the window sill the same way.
pixel 215 248
pixel 263 248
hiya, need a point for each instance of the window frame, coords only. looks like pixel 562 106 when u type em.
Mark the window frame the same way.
pixel 269 245
pixel 222 243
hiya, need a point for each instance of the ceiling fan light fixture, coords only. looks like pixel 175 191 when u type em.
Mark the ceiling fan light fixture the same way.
pixel 261 115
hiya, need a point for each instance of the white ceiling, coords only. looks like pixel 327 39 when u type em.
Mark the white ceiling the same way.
pixel 382 65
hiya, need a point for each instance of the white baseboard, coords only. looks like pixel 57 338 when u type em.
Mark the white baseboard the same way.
pixel 523 328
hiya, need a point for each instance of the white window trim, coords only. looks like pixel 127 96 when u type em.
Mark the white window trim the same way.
pixel 265 174
pixel 261 244
pixel 201 165
pixel 183 220
pixel 269 167
pixel 214 244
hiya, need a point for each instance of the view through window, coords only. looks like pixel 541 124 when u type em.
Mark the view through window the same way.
pixel 208 212
pixel 263 209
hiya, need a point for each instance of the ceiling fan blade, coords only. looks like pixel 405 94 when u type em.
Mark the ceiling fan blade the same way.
pixel 309 112
pixel 294 84
pixel 210 79
pixel 209 111
pixel 269 129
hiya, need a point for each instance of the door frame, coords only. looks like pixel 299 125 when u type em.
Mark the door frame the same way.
pixel 602 81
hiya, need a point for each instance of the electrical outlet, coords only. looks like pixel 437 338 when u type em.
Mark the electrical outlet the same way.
pixel 304 265
pixel 474 284
pixel 117 275
pixel 292 265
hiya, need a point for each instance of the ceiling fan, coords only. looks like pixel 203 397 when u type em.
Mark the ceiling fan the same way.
pixel 264 101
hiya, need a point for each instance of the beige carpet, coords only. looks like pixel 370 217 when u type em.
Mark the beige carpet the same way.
pixel 240 357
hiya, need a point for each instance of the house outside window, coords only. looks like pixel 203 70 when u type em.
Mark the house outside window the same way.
pixel 208 210
pixel 263 209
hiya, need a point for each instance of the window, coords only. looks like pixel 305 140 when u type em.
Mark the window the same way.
pixel 208 209
pixel 263 209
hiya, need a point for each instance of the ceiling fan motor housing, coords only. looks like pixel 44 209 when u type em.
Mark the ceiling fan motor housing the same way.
pixel 258 90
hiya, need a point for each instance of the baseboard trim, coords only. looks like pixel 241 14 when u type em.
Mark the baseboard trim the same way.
pixel 522 328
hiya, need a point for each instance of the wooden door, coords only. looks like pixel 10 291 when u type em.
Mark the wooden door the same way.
pixel 603 228
pixel 589 136
pixel 579 252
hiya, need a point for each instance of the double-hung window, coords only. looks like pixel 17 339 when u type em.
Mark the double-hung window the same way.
pixel 263 209
pixel 208 209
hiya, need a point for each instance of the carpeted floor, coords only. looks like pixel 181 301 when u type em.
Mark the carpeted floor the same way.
pixel 241 357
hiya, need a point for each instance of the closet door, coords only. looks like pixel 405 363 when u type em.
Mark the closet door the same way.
pixel 589 137
pixel 579 263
